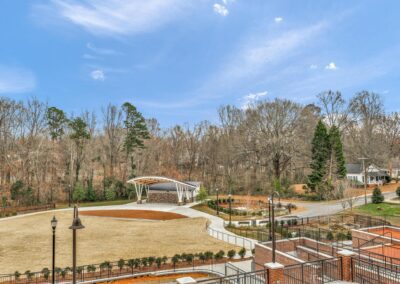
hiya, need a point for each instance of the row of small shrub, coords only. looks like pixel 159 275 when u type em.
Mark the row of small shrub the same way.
pixel 140 262
pixel 7 214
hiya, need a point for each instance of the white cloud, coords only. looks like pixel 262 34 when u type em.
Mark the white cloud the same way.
pixel 278 20
pixel 220 9
pixel 331 66
pixel 102 51
pixel 88 56
pixel 226 2
pixel 115 17
pixel 98 75
pixel 16 80
pixel 252 98
pixel 313 66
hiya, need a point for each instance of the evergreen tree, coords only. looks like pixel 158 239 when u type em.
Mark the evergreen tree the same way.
pixel 320 155
pixel 377 196
pixel 56 122
pixel 136 131
pixel 337 151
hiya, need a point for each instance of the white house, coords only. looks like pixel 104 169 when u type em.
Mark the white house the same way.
pixel 375 175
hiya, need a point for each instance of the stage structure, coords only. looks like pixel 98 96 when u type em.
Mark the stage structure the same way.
pixel 164 190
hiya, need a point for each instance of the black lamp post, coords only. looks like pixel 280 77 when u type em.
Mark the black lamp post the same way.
pixel 76 225
pixel 230 209
pixel 69 195
pixel 217 202
pixel 53 227
pixel 271 200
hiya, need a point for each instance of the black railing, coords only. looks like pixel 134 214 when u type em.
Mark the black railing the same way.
pixel 255 277
pixel 366 272
pixel 110 269
pixel 315 272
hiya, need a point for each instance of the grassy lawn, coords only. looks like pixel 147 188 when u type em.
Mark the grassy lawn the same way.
pixel 390 211
pixel 96 203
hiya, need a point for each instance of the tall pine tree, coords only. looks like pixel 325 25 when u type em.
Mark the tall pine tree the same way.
pixel 337 152
pixel 320 155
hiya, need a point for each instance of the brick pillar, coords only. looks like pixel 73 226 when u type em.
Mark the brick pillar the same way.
pixel 274 272
pixel 346 264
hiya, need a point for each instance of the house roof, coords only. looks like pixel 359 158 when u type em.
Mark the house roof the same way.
pixel 354 168
pixel 358 169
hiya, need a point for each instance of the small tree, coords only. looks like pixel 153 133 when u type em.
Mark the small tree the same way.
pixel 202 195
pixel 231 254
pixel 398 192
pixel 377 196
pixel 242 252
pixel 28 274
pixel 46 273
pixel 159 262
pixel 17 275
pixel 91 268
pixel 131 264
pixel 110 193
pixel 121 264
pixel 175 259
pixel 79 192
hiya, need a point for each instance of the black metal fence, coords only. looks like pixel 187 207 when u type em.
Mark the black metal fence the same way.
pixel 315 272
pixel 255 277
pixel 367 272
pixel 109 269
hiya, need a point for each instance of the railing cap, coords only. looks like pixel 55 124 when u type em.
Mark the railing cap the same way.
pixel 274 265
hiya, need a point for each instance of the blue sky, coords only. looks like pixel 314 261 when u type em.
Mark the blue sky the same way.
pixel 179 60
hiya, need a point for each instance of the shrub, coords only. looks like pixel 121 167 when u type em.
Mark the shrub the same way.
pixel 110 193
pixel 175 259
pixel 231 253
pixel 398 192
pixel 121 264
pixel 164 259
pixel 79 269
pixel 46 273
pixel 202 257
pixel 349 236
pixel 78 193
pixel 189 258
pixel 91 268
pixel 159 262
pixel 377 196
pixel 17 275
pixel 242 252
pixel 341 236
pixel 28 274
pixel 208 255
pixel 151 259
pixel 202 195
pixel 329 236
pixel 131 263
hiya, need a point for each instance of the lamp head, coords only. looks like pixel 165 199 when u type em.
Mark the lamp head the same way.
pixel 77 224
pixel 54 223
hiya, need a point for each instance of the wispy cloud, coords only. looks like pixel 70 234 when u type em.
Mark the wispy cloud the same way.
pixel 250 99
pixel 98 75
pixel 220 9
pixel 258 55
pixel 116 17
pixel 278 20
pixel 16 80
pixel 101 51
pixel 313 66
pixel 331 66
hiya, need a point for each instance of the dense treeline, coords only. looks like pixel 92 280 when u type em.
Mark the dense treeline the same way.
pixel 44 152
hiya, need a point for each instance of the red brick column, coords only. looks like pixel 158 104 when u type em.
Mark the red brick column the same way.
pixel 346 264
pixel 274 272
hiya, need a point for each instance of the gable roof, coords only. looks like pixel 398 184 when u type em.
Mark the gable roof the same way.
pixel 354 168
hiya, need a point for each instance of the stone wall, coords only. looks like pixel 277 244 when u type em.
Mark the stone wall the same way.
pixel 162 197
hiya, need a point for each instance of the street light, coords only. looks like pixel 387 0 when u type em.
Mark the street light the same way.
pixel 271 200
pixel 217 202
pixel 76 225
pixel 230 209
pixel 53 226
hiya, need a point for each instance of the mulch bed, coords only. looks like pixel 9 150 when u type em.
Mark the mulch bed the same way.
pixel 134 214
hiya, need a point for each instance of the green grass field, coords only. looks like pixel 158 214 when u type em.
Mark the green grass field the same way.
pixel 390 211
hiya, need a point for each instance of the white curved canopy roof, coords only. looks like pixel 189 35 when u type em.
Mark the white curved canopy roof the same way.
pixel 149 180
